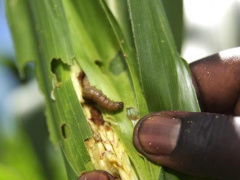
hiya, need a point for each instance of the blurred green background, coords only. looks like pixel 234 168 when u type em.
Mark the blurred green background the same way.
pixel 25 149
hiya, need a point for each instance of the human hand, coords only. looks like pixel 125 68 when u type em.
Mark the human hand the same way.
pixel 204 144
pixel 96 175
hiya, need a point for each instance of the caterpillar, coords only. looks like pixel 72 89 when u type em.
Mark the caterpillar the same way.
pixel 92 93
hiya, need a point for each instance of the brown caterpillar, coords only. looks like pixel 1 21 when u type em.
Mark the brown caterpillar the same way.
pixel 91 92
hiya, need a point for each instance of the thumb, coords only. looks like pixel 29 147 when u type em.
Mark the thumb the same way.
pixel 202 144
pixel 96 175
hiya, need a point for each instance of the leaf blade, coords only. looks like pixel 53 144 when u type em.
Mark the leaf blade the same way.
pixel 158 58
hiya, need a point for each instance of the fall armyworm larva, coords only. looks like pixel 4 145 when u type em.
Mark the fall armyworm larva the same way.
pixel 91 92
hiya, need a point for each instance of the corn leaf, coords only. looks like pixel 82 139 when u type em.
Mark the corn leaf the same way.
pixel 174 12
pixel 67 124
pixel 117 14
pixel 166 82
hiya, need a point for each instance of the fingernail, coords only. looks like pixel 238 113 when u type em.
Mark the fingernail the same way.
pixel 157 135
pixel 95 175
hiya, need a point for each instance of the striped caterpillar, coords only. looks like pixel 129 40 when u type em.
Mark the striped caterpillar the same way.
pixel 92 93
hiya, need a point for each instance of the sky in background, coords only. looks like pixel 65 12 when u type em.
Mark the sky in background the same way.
pixel 6 46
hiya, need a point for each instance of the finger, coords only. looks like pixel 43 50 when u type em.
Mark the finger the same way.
pixel 217 82
pixel 96 175
pixel 195 143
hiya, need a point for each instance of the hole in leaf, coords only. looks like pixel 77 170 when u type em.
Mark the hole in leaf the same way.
pixel 118 64
pixel 65 131
pixel 60 69
pixel 98 63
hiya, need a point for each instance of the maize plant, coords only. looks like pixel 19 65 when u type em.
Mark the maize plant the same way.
pixel 101 65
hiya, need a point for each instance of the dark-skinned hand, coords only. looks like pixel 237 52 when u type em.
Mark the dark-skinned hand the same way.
pixel 204 144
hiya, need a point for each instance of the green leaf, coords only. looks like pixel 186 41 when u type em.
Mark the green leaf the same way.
pixel 67 115
pixel 174 12
pixel 117 14
pixel 52 39
pixel 165 80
